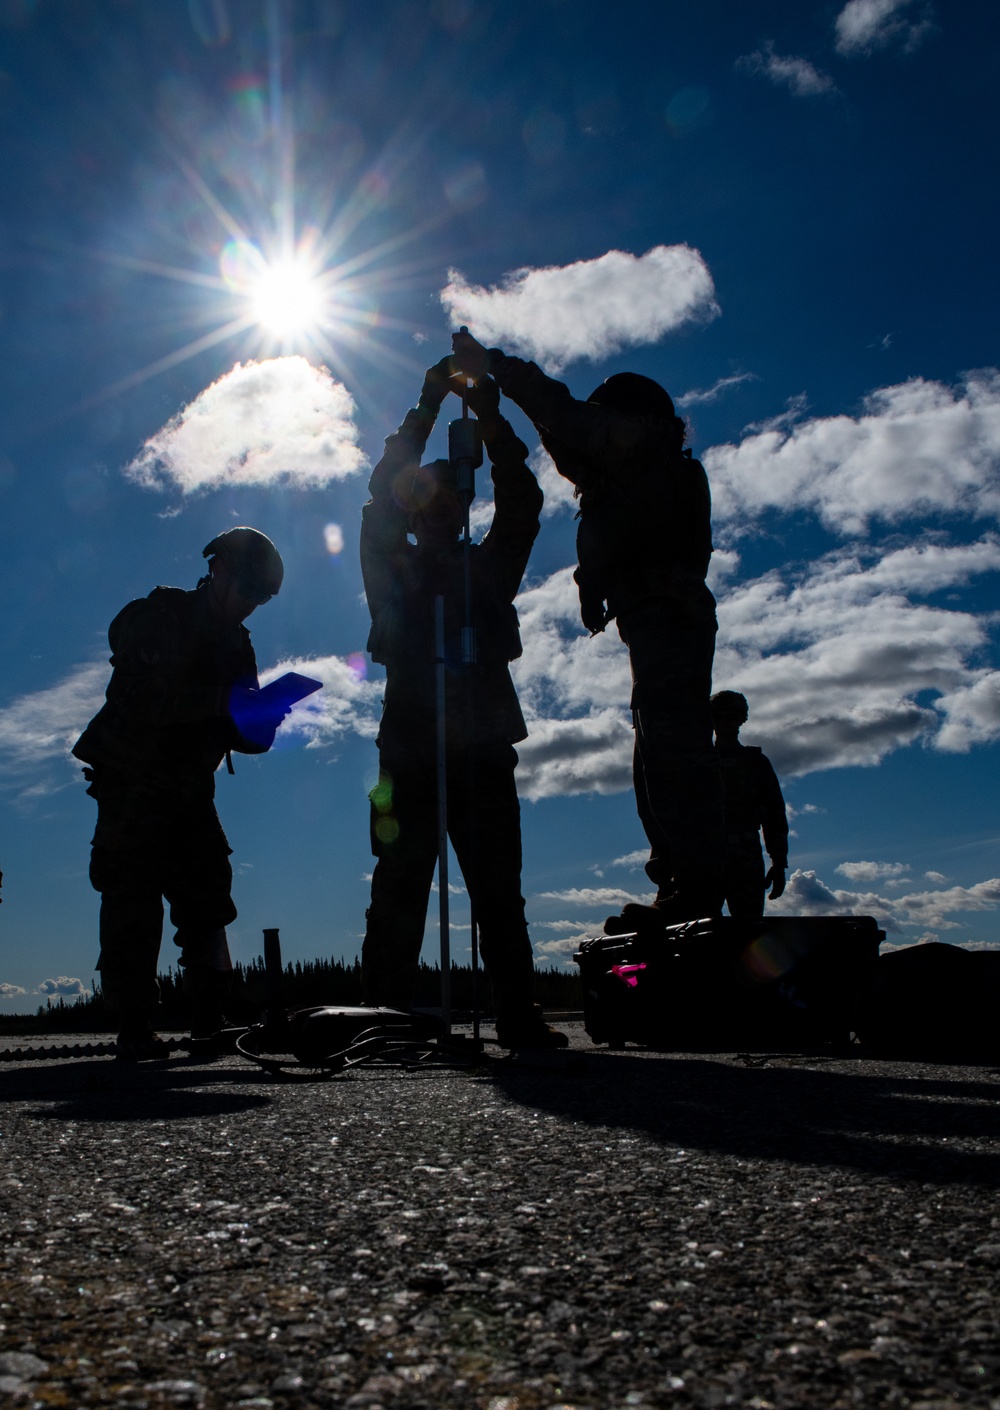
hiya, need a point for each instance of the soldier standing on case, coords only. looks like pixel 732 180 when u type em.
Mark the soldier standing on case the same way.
pixel 753 802
pixel 402 581
pixel 644 544
pixel 183 666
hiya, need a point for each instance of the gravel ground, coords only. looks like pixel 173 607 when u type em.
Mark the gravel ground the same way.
pixel 637 1230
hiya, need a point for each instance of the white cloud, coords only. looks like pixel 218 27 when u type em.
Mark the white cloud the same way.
pixel 281 421
pixel 937 876
pixel 918 448
pixel 590 309
pixel 871 871
pixel 348 702
pixel 10 991
pixel 841 661
pixel 632 860
pixel 558 491
pixel 788 71
pixel 807 894
pixel 42 727
pixel 865 25
pixel 972 713
pixel 63 987
pixel 45 724
pixel 712 393
pixel 613 897
pixel 841 666
pixel 561 951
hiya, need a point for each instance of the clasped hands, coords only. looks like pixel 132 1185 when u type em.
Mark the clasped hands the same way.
pixel 469 359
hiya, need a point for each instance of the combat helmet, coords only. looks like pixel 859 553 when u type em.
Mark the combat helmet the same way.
pixel 635 395
pixel 252 558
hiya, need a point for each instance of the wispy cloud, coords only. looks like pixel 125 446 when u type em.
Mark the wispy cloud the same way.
pixel 262 423
pixel 11 991
pixel 45 724
pixel 632 860
pixel 871 871
pixel 613 897
pixel 589 309
pixel 712 393
pixel 918 448
pixel 866 25
pixel 787 71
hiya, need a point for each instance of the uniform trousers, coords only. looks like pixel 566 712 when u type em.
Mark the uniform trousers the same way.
pixel 484 825
pixel 678 786
pixel 744 875
pixel 151 844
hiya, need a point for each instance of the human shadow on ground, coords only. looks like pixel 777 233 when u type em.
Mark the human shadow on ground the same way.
pixel 101 1089
pixel 909 1125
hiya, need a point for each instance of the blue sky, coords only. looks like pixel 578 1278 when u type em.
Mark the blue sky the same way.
pixel 785 212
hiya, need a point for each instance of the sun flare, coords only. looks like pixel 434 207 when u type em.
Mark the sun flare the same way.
pixel 287 299
pixel 284 297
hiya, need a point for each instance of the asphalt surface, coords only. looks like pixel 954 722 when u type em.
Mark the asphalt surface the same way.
pixel 640 1230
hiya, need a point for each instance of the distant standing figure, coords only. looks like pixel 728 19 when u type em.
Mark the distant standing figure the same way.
pixel 644 543
pixel 753 803
pixel 183 666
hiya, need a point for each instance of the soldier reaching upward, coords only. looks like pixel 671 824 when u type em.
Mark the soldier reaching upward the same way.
pixel 402 581
pixel 644 544
pixel 753 803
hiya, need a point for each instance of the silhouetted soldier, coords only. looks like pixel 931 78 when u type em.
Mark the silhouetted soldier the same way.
pixel 402 580
pixel 753 802
pixel 644 544
pixel 183 666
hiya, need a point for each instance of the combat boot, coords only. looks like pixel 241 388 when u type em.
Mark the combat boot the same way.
pixel 137 1042
pixel 524 1029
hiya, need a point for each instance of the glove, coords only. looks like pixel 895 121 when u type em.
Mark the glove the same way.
pixel 484 399
pixel 776 880
pixel 470 356
pixel 437 383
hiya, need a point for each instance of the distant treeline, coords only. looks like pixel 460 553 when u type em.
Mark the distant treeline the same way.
pixel 304 985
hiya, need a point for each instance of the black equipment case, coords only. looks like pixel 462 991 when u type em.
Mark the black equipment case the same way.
pixel 723 983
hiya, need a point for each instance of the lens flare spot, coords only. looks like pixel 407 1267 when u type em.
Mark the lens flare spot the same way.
pixel 333 537
pixel 767 959
pixel 387 829
pixel 381 794
pixel 357 664
pixel 241 265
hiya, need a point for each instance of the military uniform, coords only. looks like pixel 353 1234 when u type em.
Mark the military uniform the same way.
pixel 402 581
pixel 753 801
pixel 152 751
pixel 644 543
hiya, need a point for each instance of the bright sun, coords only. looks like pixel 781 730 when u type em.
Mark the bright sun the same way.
pixel 286 299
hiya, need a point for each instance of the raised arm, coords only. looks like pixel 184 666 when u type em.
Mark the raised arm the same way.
pixel 385 518
pixel 582 438
pixel 517 496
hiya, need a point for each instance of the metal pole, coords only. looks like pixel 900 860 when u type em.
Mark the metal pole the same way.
pixel 442 810
pixel 469 661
